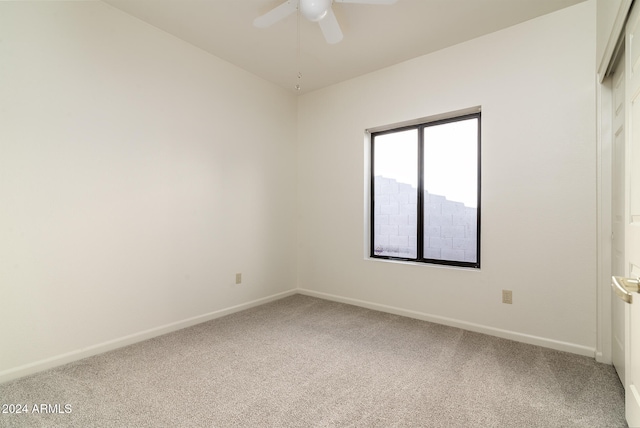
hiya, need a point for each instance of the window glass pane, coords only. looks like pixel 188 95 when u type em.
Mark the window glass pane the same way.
pixel 451 191
pixel 395 169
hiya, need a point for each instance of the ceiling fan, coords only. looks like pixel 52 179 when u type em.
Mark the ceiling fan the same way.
pixel 314 10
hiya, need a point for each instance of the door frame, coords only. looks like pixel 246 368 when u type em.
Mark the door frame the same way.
pixel 604 138
pixel 604 97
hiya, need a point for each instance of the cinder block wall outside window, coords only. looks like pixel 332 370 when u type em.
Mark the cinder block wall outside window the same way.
pixel 450 226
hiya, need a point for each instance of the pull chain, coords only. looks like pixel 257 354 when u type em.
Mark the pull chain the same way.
pixel 299 81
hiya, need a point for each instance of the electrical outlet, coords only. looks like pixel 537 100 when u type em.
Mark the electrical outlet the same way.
pixel 238 278
pixel 506 297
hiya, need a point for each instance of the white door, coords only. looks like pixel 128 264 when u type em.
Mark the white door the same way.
pixel 632 219
pixel 617 212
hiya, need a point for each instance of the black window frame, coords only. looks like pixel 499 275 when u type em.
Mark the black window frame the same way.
pixel 420 192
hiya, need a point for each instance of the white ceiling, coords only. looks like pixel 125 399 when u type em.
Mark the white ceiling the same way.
pixel 375 36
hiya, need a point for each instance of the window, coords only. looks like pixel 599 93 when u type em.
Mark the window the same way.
pixel 425 192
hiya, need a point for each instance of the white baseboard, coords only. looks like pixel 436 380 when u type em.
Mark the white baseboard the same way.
pixel 478 328
pixel 58 360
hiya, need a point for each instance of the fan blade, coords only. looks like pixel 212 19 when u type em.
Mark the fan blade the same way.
pixel 367 1
pixel 330 28
pixel 276 14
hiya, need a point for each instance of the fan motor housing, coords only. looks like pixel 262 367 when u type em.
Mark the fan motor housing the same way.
pixel 314 10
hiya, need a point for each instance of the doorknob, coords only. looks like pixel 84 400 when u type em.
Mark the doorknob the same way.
pixel 624 287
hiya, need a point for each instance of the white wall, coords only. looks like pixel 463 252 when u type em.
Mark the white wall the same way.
pixel 536 85
pixel 138 174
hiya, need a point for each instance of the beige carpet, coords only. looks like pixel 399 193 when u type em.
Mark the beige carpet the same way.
pixel 306 362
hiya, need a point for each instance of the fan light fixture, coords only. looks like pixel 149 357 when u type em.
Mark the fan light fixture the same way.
pixel 319 11
pixel 314 10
